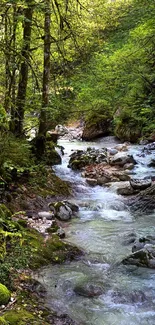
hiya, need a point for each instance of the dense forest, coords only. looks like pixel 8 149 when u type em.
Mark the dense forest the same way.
pixel 64 61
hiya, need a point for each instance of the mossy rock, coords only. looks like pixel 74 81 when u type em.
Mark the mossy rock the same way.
pixel 4 295
pixel 21 317
pixel 52 157
pixel 5 212
pixel 125 132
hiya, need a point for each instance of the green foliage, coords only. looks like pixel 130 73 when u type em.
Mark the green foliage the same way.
pixel 15 154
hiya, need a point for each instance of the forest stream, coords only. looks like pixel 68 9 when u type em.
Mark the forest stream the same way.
pixel 104 221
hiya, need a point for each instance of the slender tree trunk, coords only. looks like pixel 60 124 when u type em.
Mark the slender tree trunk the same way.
pixel 23 74
pixel 13 61
pixel 46 73
pixel 7 74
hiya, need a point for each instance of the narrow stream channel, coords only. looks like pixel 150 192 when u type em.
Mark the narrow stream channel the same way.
pixel 128 293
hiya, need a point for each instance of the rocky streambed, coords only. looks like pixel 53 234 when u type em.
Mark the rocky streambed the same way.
pixel 114 282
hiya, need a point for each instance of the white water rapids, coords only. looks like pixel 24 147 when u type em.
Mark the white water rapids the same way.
pixel 103 224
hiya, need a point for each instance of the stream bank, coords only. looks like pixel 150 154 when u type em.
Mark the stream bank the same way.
pixel 27 246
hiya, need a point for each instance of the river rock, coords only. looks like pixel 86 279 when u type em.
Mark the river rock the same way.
pixel 46 214
pixel 61 233
pixel 143 202
pixel 88 290
pixel 129 239
pixel 64 210
pixel 129 166
pixel 63 213
pixel 142 241
pixel 144 257
pixel 123 188
pixel 82 158
pixel 140 184
pixel 105 173
pixel 122 146
pixel 112 151
pixel 91 181
pixel 73 206
pixel 134 297
pixel 61 130
pixel 150 146
pixel 152 163
pixel 122 159
pixel 96 130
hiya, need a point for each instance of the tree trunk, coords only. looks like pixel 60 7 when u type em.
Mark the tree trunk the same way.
pixel 23 74
pixel 13 79
pixel 46 73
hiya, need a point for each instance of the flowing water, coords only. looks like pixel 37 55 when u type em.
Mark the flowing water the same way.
pixel 103 224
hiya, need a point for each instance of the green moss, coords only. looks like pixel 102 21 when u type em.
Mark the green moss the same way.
pixel 21 317
pixel 54 250
pixel 4 294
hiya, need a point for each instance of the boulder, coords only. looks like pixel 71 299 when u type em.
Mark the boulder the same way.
pixel 96 130
pixel 140 184
pixel 63 213
pixel 73 206
pixel 121 159
pixel 82 158
pixel 64 210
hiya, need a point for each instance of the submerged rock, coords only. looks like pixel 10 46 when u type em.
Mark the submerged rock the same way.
pixel 88 290
pixel 134 297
